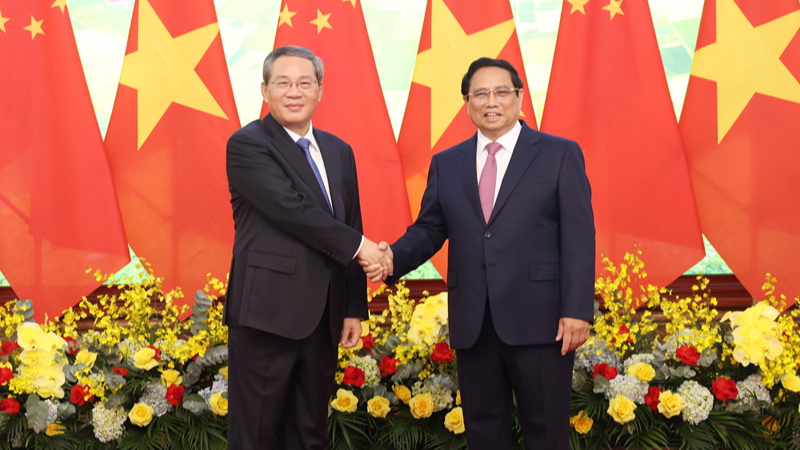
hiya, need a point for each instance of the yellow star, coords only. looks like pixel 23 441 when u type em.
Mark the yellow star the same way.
pixel 321 21
pixel 285 17
pixel 3 21
pixel 35 27
pixel 614 7
pixel 443 65
pixel 162 70
pixel 351 1
pixel 745 60
pixel 60 3
pixel 577 5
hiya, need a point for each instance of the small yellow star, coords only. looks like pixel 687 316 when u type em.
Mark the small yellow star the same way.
pixel 577 5
pixel 351 1
pixel 60 3
pixel 35 27
pixel 285 16
pixel 321 21
pixel 614 7
pixel 3 21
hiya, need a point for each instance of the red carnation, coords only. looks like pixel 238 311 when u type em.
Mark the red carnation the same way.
pixel 119 370
pixel 80 394
pixel 651 399
pixel 368 341
pixel 442 353
pixel 72 345
pixel 388 366
pixel 9 405
pixel 8 347
pixel 688 354
pixel 354 376
pixel 605 371
pixel 5 375
pixel 724 389
pixel 175 394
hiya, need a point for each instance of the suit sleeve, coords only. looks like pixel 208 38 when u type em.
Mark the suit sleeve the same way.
pixel 356 302
pixel 577 244
pixel 259 176
pixel 426 235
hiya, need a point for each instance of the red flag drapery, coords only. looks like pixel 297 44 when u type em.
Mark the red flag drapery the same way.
pixel 58 211
pixel 740 128
pixel 172 116
pixel 454 34
pixel 608 92
pixel 353 106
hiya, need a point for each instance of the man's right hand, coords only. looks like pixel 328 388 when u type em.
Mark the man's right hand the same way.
pixel 377 260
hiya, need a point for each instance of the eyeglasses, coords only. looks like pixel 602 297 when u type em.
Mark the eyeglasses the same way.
pixel 501 93
pixel 285 85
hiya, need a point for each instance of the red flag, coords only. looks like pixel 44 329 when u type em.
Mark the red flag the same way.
pixel 58 210
pixel 166 140
pixel 454 34
pixel 608 92
pixel 352 107
pixel 740 127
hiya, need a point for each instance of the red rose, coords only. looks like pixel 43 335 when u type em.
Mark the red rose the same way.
pixel 724 389
pixel 158 353
pixel 9 405
pixel 388 366
pixel 175 394
pixel 353 375
pixel 72 345
pixel 688 354
pixel 605 371
pixel 80 394
pixel 8 347
pixel 623 329
pixel 368 341
pixel 651 399
pixel 5 375
pixel 119 370
pixel 442 353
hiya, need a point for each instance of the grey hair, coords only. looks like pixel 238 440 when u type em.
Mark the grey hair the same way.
pixel 293 50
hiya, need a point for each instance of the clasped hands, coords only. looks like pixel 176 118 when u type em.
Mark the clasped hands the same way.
pixel 376 259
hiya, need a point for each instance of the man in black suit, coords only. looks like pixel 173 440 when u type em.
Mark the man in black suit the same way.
pixel 295 289
pixel 516 206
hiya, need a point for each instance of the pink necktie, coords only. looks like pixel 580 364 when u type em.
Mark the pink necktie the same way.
pixel 488 180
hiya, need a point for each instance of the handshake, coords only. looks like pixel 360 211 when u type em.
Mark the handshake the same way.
pixel 376 259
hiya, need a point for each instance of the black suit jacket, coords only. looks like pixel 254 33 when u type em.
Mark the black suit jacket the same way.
pixel 535 257
pixel 289 252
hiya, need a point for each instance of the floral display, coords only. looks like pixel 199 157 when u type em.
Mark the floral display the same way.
pixel 150 375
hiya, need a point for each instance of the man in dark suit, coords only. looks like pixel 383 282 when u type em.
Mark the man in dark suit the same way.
pixel 295 289
pixel 516 206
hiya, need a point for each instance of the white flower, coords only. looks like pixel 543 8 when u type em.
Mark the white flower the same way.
pixel 372 374
pixel 442 396
pixel 628 386
pixel 108 423
pixel 752 391
pixel 594 352
pixel 698 401
pixel 155 395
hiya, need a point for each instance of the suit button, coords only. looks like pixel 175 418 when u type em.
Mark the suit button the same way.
pixel 483 266
pixel 487 235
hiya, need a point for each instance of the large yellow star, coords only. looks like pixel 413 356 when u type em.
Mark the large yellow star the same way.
pixel 577 5
pixel 745 60
pixel 321 21
pixel 59 3
pixel 614 7
pixel 35 27
pixel 3 21
pixel 285 17
pixel 443 65
pixel 162 70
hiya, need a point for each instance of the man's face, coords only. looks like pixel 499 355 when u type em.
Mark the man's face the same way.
pixel 292 92
pixel 493 114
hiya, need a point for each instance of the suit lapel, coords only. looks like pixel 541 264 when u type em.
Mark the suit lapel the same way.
pixel 333 168
pixel 469 174
pixel 522 157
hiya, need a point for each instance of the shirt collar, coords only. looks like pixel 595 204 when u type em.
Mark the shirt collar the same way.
pixel 508 140
pixel 309 135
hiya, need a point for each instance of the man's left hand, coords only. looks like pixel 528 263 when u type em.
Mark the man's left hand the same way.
pixel 351 332
pixel 572 332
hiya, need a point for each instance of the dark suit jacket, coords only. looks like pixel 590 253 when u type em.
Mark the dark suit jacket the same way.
pixel 535 257
pixel 289 252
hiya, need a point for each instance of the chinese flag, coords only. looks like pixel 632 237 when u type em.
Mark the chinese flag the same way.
pixel 352 106
pixel 608 92
pixel 58 210
pixel 454 34
pixel 166 140
pixel 740 127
